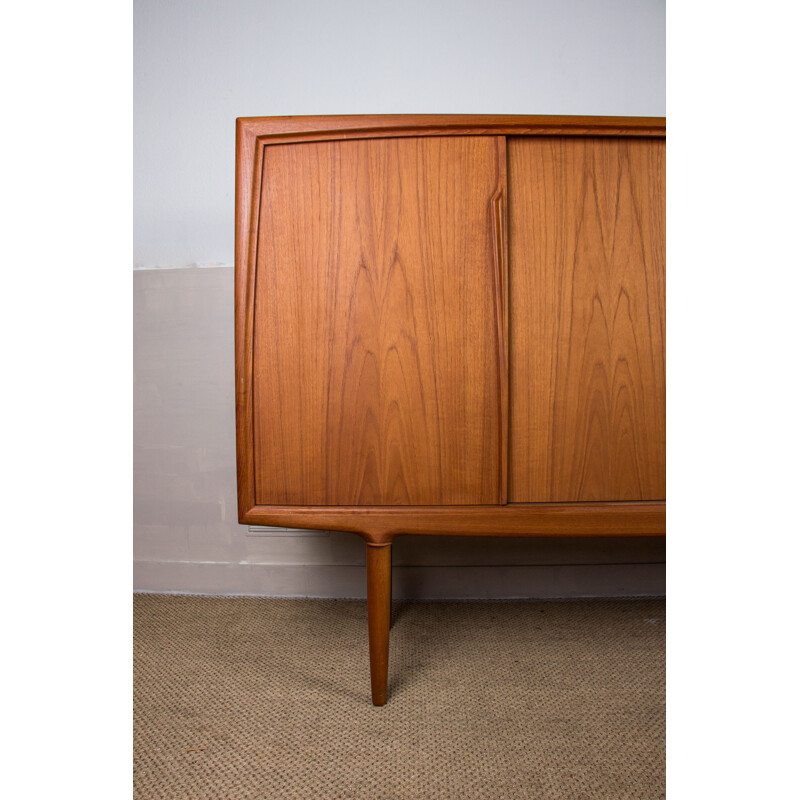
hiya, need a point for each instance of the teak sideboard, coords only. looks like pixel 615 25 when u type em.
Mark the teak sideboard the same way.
pixel 450 325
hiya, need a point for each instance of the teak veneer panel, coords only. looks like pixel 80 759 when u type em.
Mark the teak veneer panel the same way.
pixel 586 282
pixel 379 357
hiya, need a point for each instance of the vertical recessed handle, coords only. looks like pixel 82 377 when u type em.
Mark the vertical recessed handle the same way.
pixel 497 232
pixel 498 235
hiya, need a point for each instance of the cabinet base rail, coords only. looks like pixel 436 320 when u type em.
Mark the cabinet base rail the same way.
pixel 381 524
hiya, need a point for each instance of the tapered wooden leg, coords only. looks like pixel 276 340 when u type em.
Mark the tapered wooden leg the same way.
pixel 379 614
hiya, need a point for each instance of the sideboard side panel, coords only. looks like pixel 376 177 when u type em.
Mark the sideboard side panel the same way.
pixel 586 285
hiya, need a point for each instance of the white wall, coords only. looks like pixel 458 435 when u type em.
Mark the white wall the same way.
pixel 199 64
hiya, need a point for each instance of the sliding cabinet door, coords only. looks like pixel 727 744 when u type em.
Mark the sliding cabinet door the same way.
pixel 586 281
pixel 379 363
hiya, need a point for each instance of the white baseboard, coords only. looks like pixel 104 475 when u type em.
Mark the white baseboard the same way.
pixel 548 581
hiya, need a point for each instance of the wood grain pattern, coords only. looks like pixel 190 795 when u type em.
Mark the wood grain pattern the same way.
pixel 587 259
pixel 379 372
pixel 380 524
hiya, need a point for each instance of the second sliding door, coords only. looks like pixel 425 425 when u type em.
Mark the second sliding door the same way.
pixel 586 319
pixel 379 365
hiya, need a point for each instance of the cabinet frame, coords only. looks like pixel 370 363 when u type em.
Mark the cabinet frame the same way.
pixel 378 525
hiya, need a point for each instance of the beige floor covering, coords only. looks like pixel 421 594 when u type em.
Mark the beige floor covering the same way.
pixel 258 698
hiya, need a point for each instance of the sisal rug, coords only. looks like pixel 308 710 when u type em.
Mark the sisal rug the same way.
pixel 255 699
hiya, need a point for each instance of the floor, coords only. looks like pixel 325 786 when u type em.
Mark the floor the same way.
pixel 260 698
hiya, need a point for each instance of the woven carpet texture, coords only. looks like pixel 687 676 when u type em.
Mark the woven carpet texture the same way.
pixel 254 699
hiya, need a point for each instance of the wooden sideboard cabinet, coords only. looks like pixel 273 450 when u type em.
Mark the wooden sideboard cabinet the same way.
pixel 450 325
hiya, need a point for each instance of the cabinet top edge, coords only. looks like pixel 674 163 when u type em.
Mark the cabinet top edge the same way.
pixel 367 125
